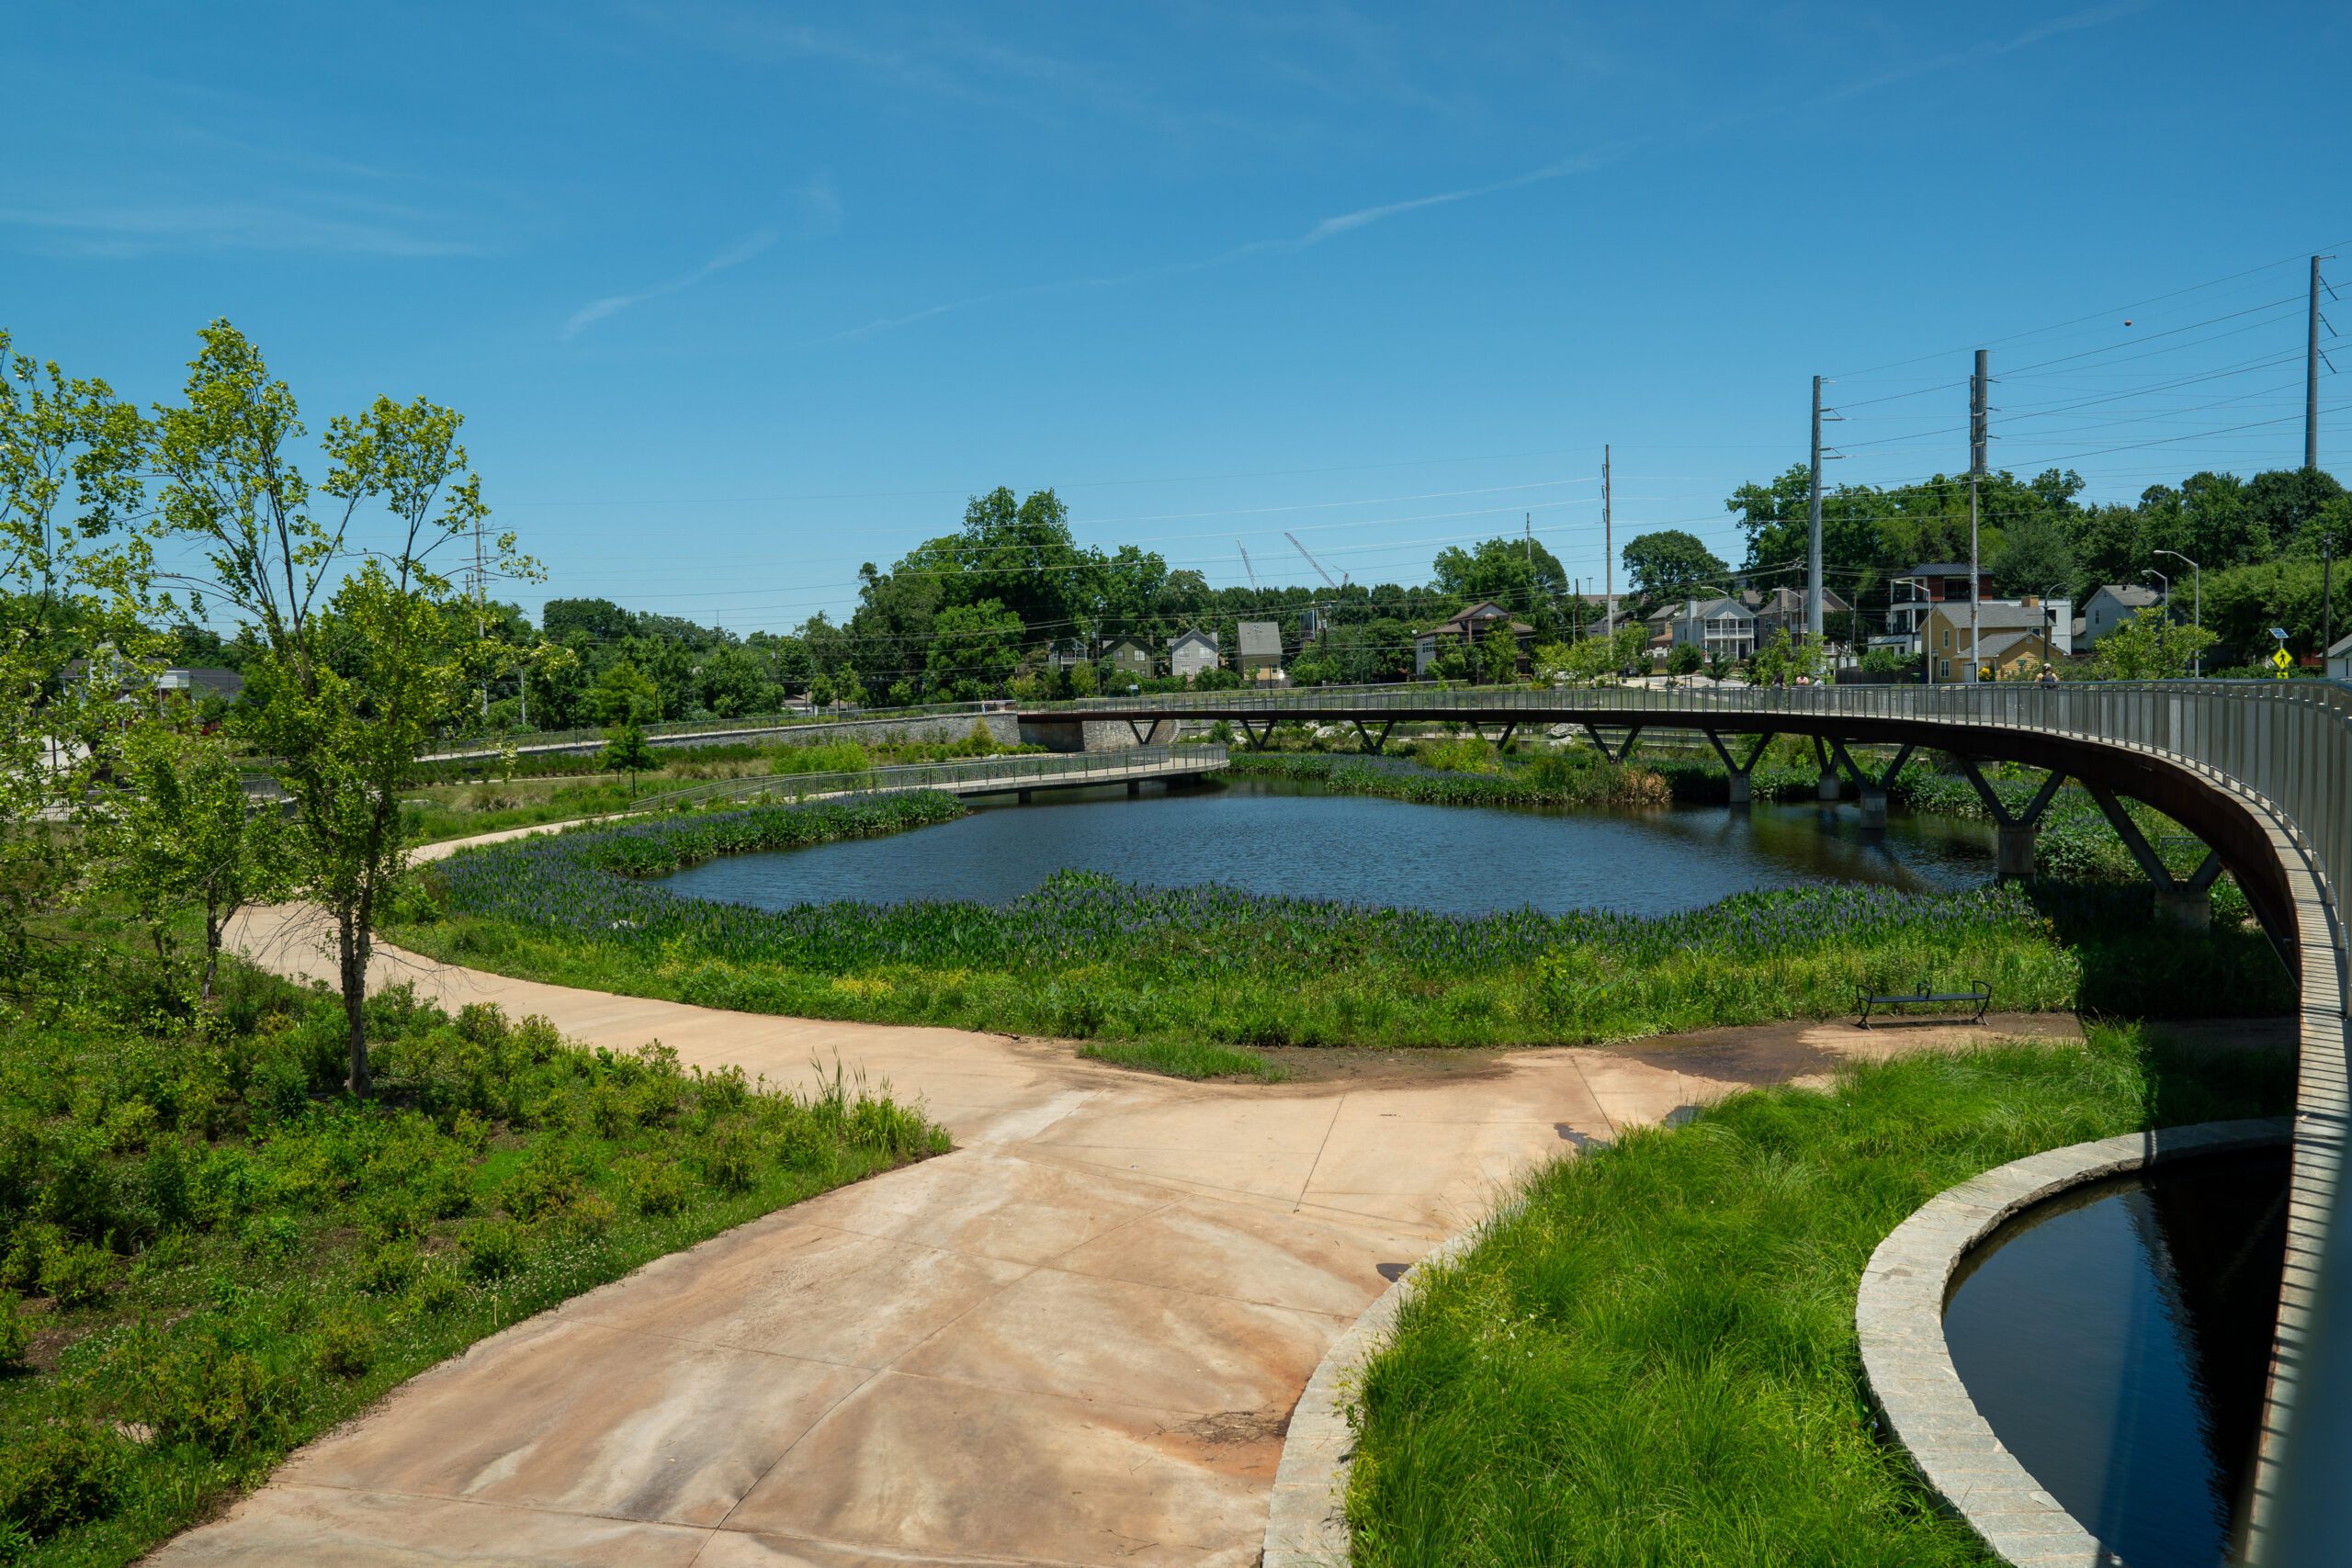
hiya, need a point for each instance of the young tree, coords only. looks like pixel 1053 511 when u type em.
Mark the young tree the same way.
pixel 366 651
pixel 1499 656
pixel 624 695
pixel 74 584
pixel 1686 659
pixel 2150 646
pixel 628 751
pixel 1629 648
pixel 181 833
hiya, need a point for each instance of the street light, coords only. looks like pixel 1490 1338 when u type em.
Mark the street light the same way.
pixel 2196 602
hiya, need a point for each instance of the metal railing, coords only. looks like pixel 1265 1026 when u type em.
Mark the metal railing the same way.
pixel 749 724
pixel 1052 769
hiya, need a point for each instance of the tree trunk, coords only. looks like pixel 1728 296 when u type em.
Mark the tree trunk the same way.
pixel 351 942
pixel 213 923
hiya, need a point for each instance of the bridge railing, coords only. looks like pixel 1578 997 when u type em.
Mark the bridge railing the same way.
pixel 1052 769
pixel 686 729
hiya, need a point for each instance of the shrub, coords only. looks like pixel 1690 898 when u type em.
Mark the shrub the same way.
pixel 387 1268
pixel 58 1475
pixel 656 1186
pixel 16 1332
pixel 346 1344
pixel 78 1276
pixel 271 1238
pixel 492 1249
pixel 200 1391
pixel 548 1181
pixel 730 1156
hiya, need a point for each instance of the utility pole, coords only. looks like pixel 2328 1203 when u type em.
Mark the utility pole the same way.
pixel 1813 528
pixel 1608 553
pixel 482 611
pixel 2311 375
pixel 1976 437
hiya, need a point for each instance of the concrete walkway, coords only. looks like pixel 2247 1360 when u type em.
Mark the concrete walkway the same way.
pixel 1076 1339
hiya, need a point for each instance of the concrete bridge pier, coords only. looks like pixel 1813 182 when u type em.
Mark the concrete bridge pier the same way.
pixel 1135 788
pixel 2187 903
pixel 2016 835
pixel 1873 790
pixel 1743 774
pixel 1829 789
pixel 1022 797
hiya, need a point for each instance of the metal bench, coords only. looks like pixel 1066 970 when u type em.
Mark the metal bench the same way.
pixel 1979 994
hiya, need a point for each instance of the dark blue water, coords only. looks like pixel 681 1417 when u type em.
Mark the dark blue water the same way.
pixel 2117 1340
pixel 1275 836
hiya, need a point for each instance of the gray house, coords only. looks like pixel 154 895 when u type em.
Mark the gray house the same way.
pixel 1718 628
pixel 1189 652
pixel 2114 604
pixel 1261 648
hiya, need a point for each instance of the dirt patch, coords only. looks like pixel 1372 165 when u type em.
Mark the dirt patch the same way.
pixel 1327 1064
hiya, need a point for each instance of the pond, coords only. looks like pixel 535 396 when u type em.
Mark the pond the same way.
pixel 2117 1339
pixel 1274 836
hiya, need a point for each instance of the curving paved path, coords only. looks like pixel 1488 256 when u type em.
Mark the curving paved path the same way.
pixel 1076 1339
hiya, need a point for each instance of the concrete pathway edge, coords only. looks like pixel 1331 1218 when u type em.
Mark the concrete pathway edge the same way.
pixel 1306 1523
pixel 1907 1370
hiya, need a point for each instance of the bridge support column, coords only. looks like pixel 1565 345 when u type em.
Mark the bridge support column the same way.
pixel 1873 790
pixel 1828 789
pixel 1624 751
pixel 1742 779
pixel 1370 746
pixel 1023 796
pixel 2185 903
pixel 1135 788
pixel 2017 835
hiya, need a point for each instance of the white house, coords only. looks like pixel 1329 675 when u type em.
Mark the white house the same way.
pixel 2109 607
pixel 1189 652
pixel 1716 626
pixel 2339 660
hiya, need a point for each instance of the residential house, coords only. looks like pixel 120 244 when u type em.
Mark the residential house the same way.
pixel 2013 638
pixel 1913 593
pixel 1716 626
pixel 2339 661
pixel 1189 652
pixel 1063 652
pixel 1781 610
pixel 1467 630
pixel 190 684
pixel 1130 659
pixel 1260 647
pixel 2110 606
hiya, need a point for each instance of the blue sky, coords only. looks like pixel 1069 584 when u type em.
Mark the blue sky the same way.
pixel 737 296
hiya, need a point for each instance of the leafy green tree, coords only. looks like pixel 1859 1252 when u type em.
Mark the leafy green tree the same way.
pixel 735 682
pixel 974 649
pixel 2150 646
pixel 366 656
pixel 1629 648
pixel 180 833
pixel 820 690
pixel 1523 577
pixel 1686 659
pixel 1498 655
pixel 1669 562
pixel 2035 558
pixel 628 751
pixel 624 695
pixel 74 583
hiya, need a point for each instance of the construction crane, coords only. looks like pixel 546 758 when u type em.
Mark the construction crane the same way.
pixel 1246 566
pixel 1318 565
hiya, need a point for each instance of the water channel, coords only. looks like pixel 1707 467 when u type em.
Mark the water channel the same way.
pixel 2116 1339
pixel 1274 836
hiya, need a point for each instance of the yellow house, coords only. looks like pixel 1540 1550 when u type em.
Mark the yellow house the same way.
pixel 2012 640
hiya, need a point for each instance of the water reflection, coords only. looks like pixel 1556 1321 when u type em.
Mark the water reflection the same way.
pixel 2117 1340
pixel 1278 836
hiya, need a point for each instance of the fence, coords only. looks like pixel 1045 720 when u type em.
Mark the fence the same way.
pixel 488 746
pixel 1053 770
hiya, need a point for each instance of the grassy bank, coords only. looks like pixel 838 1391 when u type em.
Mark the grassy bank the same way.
pixel 1087 957
pixel 1564 779
pixel 207 1255
pixel 1652 1361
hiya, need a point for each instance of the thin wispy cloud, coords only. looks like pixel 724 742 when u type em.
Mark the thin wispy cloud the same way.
pixel 2073 21
pixel 735 255
pixel 138 229
pixel 1314 234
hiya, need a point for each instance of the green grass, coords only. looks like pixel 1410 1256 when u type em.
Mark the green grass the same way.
pixel 1188 1059
pixel 1652 1360
pixel 207 1255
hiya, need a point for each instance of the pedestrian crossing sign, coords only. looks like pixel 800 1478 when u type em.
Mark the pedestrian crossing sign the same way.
pixel 2282 658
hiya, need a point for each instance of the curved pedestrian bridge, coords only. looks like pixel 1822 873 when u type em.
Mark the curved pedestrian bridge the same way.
pixel 2261 772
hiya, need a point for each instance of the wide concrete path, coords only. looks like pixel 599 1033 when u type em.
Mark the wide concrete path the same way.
pixel 1076 1339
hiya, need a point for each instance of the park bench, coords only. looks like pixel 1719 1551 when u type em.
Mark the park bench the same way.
pixel 1979 994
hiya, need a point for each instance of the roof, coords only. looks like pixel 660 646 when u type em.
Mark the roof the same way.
pixel 2132 594
pixel 1939 568
pixel 1993 613
pixel 221 682
pixel 2342 644
pixel 1261 637
pixel 1781 601
pixel 1193 633
pixel 1126 642
pixel 2001 644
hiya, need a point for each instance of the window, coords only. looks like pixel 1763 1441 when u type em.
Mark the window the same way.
pixel 1943 669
